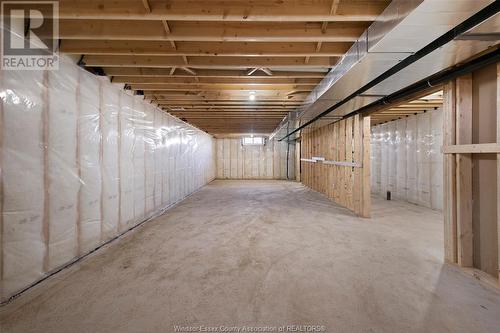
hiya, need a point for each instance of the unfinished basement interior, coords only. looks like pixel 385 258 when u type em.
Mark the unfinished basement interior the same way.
pixel 250 166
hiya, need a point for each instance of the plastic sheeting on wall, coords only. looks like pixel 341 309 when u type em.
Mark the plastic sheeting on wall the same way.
pixel 82 161
pixel 235 161
pixel 407 160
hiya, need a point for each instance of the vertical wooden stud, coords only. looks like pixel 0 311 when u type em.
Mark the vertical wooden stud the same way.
pixel 366 196
pixel 464 171
pixel 348 158
pixel 498 170
pixel 449 172
pixel 341 173
pixel 357 171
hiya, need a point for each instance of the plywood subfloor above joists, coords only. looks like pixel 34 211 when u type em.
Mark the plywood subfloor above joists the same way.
pixel 225 66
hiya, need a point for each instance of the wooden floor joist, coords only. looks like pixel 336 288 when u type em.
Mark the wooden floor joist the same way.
pixel 206 62
pixel 208 31
pixel 261 10
pixel 191 49
pixel 405 109
pixel 216 52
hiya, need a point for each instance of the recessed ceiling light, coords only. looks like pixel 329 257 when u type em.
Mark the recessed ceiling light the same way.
pixel 251 97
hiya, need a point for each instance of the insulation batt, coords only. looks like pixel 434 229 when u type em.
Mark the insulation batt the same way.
pixel 406 159
pixel 81 162
pixel 269 161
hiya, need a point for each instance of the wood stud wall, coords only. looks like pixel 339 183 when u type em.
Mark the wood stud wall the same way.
pixel 270 161
pixel 458 149
pixel 344 175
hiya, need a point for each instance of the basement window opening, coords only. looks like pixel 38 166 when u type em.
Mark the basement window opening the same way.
pixel 253 141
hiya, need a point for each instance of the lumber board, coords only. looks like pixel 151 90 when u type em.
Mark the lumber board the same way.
pixel 498 170
pixel 481 148
pixel 449 174
pixel 333 162
pixel 263 11
pixel 464 171
pixel 366 193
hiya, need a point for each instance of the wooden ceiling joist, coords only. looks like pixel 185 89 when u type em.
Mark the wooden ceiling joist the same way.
pixel 229 107
pixel 220 80
pixel 207 31
pixel 405 109
pixel 222 96
pixel 225 66
pixel 243 11
pixel 245 103
pixel 220 86
pixel 225 110
pixel 205 62
pixel 262 115
pixel 211 73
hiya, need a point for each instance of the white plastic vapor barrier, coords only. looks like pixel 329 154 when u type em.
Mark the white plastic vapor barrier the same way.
pixel 274 160
pixel 81 162
pixel 407 160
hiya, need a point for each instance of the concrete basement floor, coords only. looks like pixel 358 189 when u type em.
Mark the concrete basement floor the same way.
pixel 265 253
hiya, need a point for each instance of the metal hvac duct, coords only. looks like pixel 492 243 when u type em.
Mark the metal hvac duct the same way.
pixel 405 27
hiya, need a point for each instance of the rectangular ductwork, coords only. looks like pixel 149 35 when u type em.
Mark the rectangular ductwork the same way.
pixel 405 27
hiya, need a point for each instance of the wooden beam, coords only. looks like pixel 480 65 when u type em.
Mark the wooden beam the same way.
pixel 220 86
pixel 225 110
pixel 449 171
pixel 464 171
pixel 498 171
pixel 215 111
pixel 217 80
pixel 482 148
pixel 188 70
pixel 228 107
pixel 200 31
pixel 233 95
pixel 225 95
pixel 226 117
pixel 213 73
pixel 168 31
pixel 146 5
pixel 222 102
pixel 205 62
pixel 190 49
pixel 251 71
pixel 333 11
pixel 265 11
pixel 267 71
pixel 366 171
